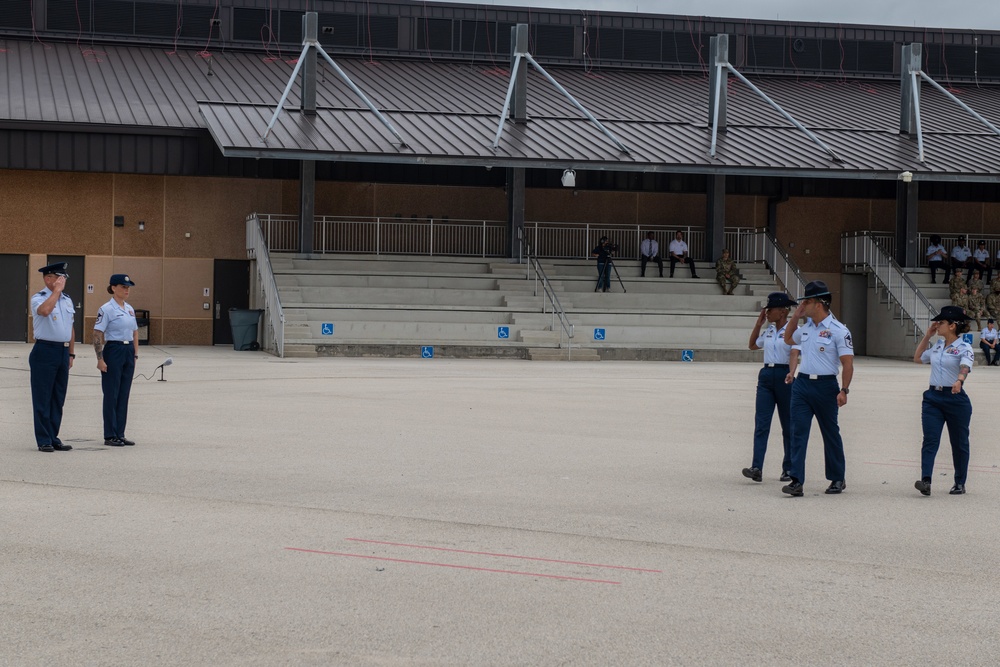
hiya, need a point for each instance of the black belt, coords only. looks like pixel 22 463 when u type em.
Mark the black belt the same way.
pixel 119 342
pixel 935 387
pixel 51 342
pixel 775 365
pixel 806 376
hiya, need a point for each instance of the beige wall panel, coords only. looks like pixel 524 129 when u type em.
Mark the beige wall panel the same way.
pixel 98 268
pixel 883 215
pixel 458 203
pixel 186 332
pixel 183 282
pixel 147 274
pixel 213 211
pixel 336 198
pixel 991 218
pixel 55 212
pixel 566 205
pixel 815 225
pixel 951 219
pixel 139 198
pixel 746 211
pixel 35 283
pixel 671 209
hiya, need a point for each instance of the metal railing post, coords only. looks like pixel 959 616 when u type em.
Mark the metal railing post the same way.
pixel 432 238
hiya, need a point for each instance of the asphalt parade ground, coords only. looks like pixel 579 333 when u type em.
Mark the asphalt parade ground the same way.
pixel 470 512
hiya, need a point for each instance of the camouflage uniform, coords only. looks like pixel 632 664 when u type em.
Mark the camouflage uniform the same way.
pixel 960 299
pixel 725 272
pixel 993 304
pixel 976 308
pixel 956 284
pixel 978 284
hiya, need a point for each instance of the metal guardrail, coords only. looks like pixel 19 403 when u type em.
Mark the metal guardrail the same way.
pixel 548 293
pixel 760 246
pixel 274 315
pixel 863 250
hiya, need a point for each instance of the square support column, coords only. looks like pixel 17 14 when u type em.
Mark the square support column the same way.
pixel 715 221
pixel 907 251
pixel 307 205
pixel 515 209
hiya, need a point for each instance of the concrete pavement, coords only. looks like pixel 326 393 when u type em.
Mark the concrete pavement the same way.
pixel 346 511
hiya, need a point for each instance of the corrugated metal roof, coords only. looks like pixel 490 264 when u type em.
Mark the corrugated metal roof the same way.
pixel 448 113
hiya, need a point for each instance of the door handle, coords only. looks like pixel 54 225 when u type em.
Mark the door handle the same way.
pixel 218 310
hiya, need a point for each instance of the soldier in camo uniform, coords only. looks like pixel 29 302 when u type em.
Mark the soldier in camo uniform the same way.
pixel 976 281
pixel 993 300
pixel 977 307
pixel 726 273
pixel 960 299
pixel 956 284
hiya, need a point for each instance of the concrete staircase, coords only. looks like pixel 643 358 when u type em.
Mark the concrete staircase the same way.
pixel 364 305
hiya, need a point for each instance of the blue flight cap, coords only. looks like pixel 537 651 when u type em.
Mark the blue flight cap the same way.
pixel 120 279
pixel 58 269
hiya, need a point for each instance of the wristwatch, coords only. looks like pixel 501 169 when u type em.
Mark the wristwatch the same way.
pixel 846 391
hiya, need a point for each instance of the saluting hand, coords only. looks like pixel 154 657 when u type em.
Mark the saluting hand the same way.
pixel 59 285
pixel 762 316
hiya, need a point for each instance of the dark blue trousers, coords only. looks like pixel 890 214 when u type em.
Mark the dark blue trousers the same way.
pixel 955 410
pixel 117 384
pixel 603 275
pixel 772 392
pixel 49 364
pixel 816 398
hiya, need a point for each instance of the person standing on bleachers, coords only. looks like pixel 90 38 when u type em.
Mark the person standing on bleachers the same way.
pixel 725 273
pixel 937 258
pixel 961 255
pixel 679 253
pixel 650 251
pixel 824 345
pixel 603 254
pixel 981 261
pixel 773 389
pixel 988 339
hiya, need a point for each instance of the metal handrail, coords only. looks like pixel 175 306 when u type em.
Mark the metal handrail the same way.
pixel 274 315
pixel 761 246
pixel 548 292
pixel 862 250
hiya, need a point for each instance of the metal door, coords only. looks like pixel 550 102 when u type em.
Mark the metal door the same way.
pixel 74 288
pixel 230 289
pixel 14 297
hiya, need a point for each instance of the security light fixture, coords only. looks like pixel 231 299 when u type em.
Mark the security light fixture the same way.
pixel 569 178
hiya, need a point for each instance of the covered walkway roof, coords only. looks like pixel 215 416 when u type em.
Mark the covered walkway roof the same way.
pixel 448 113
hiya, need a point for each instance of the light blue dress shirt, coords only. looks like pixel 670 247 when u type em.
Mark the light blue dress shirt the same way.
pixel 822 345
pixel 117 322
pixel 772 341
pixel 946 361
pixel 58 325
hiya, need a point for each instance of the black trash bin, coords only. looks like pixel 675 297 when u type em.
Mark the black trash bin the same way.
pixel 243 324
pixel 142 321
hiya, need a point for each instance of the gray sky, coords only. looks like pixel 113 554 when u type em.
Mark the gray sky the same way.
pixel 968 14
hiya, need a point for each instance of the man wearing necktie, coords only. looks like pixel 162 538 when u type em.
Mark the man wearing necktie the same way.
pixel 650 251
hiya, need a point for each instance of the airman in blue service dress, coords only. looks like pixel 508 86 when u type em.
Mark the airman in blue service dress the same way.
pixel 773 391
pixel 116 341
pixel 824 343
pixel 52 356
pixel 945 401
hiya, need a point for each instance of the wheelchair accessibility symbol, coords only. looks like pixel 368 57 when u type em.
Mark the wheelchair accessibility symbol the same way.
pixel 967 337
pixel 427 352
pixel 327 328
pixel 687 355
pixel 503 332
pixel 598 334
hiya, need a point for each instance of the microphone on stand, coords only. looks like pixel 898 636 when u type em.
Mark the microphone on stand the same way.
pixel 169 361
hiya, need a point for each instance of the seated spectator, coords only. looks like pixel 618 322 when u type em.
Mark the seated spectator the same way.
pixel 977 307
pixel 960 298
pixel 981 261
pixel 961 254
pixel 726 274
pixel 679 253
pixel 956 283
pixel 976 280
pixel 937 258
pixel 650 251
pixel 988 339
pixel 993 300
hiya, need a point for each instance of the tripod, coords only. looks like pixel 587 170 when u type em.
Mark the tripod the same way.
pixel 604 275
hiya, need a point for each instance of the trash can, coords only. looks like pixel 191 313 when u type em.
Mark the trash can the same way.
pixel 142 320
pixel 243 324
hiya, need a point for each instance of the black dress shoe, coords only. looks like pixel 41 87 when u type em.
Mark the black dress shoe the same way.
pixel 46 448
pixel 113 442
pixel 923 486
pixel 793 489
pixel 60 447
pixel 785 477
pixel 836 487
pixel 753 473
pixel 126 441
pixel 957 490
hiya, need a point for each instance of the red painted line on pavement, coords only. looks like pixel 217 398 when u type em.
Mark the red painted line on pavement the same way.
pixel 487 553
pixel 457 567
